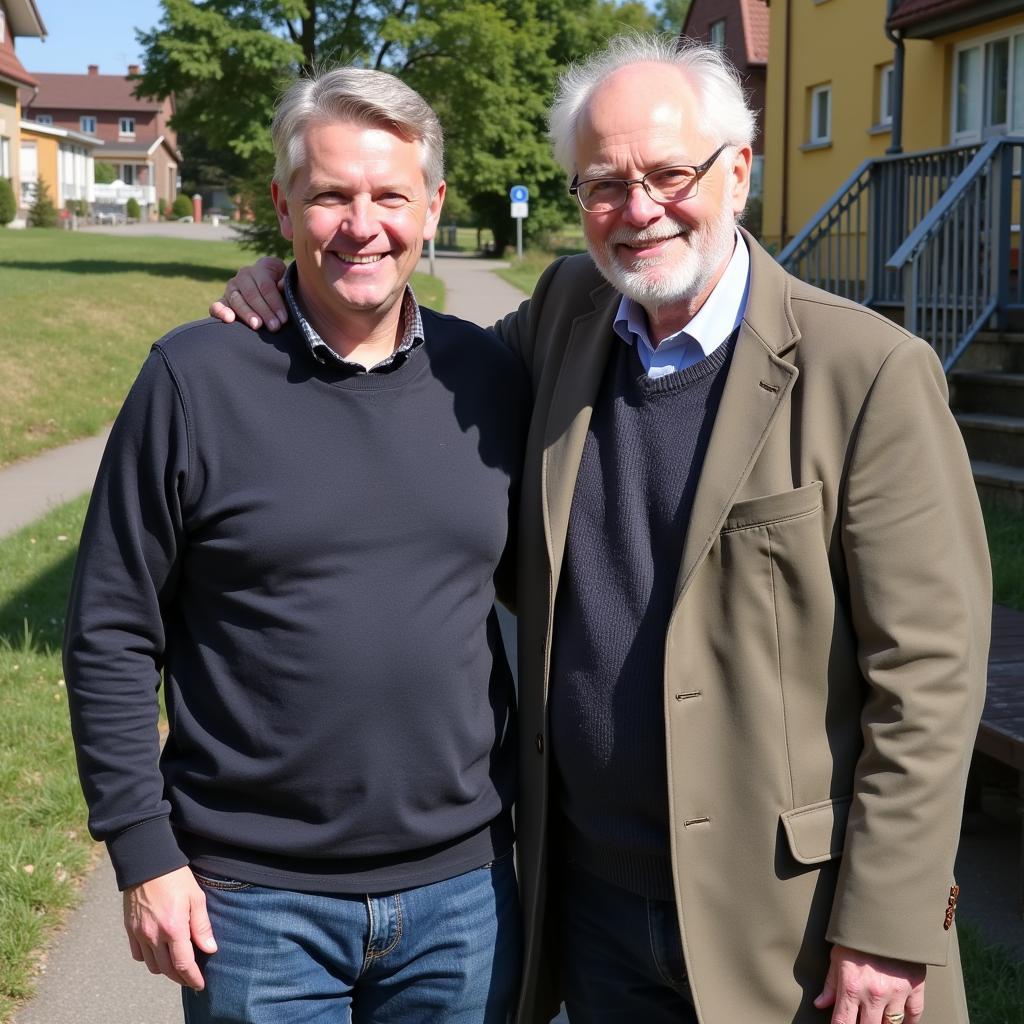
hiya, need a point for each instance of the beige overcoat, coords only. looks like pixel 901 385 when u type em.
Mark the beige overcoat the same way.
pixel 825 660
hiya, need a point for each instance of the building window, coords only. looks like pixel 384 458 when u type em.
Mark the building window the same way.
pixel 820 131
pixel 126 126
pixel 5 157
pixel 44 118
pixel 87 124
pixel 885 90
pixel 716 34
pixel 988 89
pixel 756 176
pixel 128 174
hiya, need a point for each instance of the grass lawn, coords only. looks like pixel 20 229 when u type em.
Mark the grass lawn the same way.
pixel 80 312
pixel 1005 528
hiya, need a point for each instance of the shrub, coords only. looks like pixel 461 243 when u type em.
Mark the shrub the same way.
pixel 182 207
pixel 8 206
pixel 132 209
pixel 79 207
pixel 42 213
pixel 103 174
pixel 162 208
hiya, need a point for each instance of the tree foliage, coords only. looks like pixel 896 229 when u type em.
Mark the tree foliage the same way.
pixel 8 206
pixel 181 207
pixel 487 66
pixel 42 213
pixel 103 173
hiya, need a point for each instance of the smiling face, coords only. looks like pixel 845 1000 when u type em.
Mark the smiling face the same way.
pixel 666 257
pixel 357 212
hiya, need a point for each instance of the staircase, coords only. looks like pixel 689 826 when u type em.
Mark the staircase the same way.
pixel 933 240
pixel 987 397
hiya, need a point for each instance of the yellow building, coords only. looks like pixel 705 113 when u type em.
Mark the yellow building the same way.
pixel 59 158
pixel 833 82
pixel 17 18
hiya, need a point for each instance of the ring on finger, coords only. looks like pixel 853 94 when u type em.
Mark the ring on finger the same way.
pixel 895 1018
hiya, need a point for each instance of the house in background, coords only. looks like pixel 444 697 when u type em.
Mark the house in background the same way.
pixel 60 158
pixel 740 28
pixel 894 144
pixel 17 18
pixel 135 133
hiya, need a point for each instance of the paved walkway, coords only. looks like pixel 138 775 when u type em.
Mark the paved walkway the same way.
pixel 89 977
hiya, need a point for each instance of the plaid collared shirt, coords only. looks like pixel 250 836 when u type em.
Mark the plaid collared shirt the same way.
pixel 412 333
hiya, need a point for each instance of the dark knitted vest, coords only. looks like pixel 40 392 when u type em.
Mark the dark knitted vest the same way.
pixel 630 511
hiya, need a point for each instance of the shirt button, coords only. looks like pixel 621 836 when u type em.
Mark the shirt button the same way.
pixel 540 743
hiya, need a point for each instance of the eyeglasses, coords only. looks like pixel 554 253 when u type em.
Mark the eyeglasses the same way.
pixel 663 185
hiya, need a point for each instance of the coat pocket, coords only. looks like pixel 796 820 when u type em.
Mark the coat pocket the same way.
pixel 816 831
pixel 774 508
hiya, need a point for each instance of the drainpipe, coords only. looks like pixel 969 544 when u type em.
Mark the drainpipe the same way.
pixel 787 70
pixel 896 138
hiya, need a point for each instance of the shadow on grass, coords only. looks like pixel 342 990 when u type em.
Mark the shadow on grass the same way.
pixel 191 270
pixel 39 607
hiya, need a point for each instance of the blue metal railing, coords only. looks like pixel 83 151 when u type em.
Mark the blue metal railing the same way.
pixel 929 232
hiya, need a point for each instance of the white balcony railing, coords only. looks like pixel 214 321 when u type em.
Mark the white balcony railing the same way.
pixel 117 192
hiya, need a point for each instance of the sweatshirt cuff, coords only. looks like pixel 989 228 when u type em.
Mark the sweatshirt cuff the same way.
pixel 145 851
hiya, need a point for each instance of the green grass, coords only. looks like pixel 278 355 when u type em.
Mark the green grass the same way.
pixel 80 311
pixel 44 847
pixel 994 980
pixel 1005 529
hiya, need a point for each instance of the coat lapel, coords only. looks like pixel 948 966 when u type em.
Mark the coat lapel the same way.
pixel 572 405
pixel 756 390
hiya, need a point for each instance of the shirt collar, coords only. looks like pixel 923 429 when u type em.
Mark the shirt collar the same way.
pixel 412 333
pixel 720 315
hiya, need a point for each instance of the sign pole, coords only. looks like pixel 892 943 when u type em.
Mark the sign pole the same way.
pixel 519 238
pixel 520 195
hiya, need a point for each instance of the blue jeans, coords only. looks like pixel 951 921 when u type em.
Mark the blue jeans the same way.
pixel 448 952
pixel 621 955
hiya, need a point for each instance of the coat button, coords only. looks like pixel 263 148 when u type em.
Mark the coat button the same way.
pixel 540 743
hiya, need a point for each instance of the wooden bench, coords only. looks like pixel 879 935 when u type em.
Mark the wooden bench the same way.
pixel 1001 734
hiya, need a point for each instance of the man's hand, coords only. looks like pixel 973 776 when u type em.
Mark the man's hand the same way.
pixel 164 918
pixel 866 989
pixel 253 295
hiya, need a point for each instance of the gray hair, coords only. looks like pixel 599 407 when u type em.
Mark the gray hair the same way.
pixel 361 96
pixel 725 114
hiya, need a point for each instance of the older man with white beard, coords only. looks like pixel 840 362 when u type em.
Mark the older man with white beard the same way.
pixel 754 598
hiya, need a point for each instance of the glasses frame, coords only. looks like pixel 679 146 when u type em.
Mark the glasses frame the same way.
pixel 699 171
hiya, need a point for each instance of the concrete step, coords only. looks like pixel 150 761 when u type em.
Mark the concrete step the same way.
pixel 999 483
pixel 993 350
pixel 987 391
pixel 993 438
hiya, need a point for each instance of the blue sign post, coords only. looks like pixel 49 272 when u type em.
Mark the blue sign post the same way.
pixel 520 195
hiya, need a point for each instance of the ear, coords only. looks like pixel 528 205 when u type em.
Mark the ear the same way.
pixel 739 178
pixel 284 219
pixel 434 213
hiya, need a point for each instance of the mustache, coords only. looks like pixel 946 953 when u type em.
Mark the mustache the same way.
pixel 624 236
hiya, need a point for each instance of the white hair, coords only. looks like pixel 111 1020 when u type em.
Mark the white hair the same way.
pixel 725 115
pixel 360 96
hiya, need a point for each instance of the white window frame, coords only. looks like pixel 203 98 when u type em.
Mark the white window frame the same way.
pixel 814 138
pixel 3 26
pixel 886 80
pixel 1014 101
pixel 44 118
pixel 126 131
pixel 6 170
pixel 87 124
pixel 716 34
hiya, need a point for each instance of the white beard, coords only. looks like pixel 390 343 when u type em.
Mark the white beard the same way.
pixel 665 280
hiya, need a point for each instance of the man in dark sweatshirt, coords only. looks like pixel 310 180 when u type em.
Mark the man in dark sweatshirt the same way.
pixel 301 536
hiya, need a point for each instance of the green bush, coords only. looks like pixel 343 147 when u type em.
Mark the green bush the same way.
pixel 103 174
pixel 8 206
pixel 79 207
pixel 42 213
pixel 132 210
pixel 162 208
pixel 182 207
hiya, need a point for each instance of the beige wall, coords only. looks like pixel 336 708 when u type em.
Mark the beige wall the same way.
pixel 10 115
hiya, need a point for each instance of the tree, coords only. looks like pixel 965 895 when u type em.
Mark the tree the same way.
pixel 487 66
pixel 42 213
pixel 671 14
pixel 103 173
pixel 181 207
pixel 8 205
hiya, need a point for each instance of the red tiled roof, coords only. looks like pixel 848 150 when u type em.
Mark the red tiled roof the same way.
pixel 89 92
pixel 755 30
pixel 11 67
pixel 910 12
